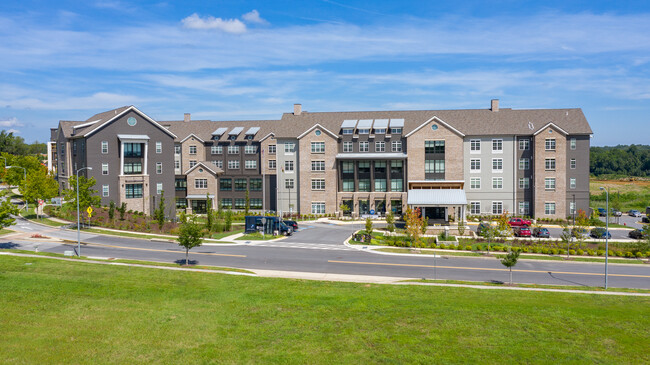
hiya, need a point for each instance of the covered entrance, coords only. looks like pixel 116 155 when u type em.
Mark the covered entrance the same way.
pixel 199 203
pixel 438 201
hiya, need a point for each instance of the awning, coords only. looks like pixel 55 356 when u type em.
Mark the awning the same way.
pixel 436 197
pixel 364 124
pixel 198 196
pixel 372 156
pixel 397 123
pixel 220 131
pixel 235 131
pixel 139 137
pixel 381 123
pixel 252 131
pixel 349 123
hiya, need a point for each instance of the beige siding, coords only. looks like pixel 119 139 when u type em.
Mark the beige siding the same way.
pixel 557 196
pixel 453 151
pixel 307 195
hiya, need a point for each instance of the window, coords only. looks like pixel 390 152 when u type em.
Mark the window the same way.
pixel 289 147
pixel 475 165
pixel 549 208
pixel 288 166
pixel 497 208
pixel 132 168
pixel 250 150
pixel 226 203
pixel 475 145
pixel 396 185
pixel 63 168
pixel 396 130
pixel 255 184
pixel 396 146
pixel 573 163
pixel 272 165
pixel 549 164
pixel 240 203
pixel 363 146
pixel 380 146
pixel 497 183
pixel 497 165
pixel 272 149
pixel 233 164
pixel 475 183
pixel 318 166
pixel 158 147
pixel 364 167
pixel 158 167
pixel 524 183
pixel 105 148
pixel 250 164
pixel 348 131
pixel 497 145
pixel 180 185
pixel 549 183
pixel 233 150
pixel 380 184
pixel 364 184
pixel 524 164
pixel 159 188
pixel 434 166
pixel 177 149
pixel 317 147
pixel 177 164
pixel 192 150
pixel 475 208
pixel 572 183
pixel 572 143
pixel 380 168
pixel 133 191
pixel 288 183
pixel 200 183
pixel 380 131
pixel 104 169
pixel 317 208
pixel 348 167
pixel 256 203
pixel 348 185
pixel 363 131
pixel 318 184
pixel 524 144
pixel 105 190
pixel 181 203
pixel 132 150
pixel 241 184
pixel 216 150
pixel 225 184
pixel 192 163
pixel 434 146
pixel 524 208
pixel 347 146
pixel 550 144
pixel 218 163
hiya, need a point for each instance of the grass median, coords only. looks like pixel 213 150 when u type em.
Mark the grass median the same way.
pixel 140 315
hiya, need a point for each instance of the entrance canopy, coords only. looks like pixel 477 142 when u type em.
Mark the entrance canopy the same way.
pixel 436 197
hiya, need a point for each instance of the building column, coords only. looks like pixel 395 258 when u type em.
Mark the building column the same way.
pixel 49 156
pixel 146 157
pixel 121 158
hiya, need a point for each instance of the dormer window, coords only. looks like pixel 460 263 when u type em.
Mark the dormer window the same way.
pixel 348 131
pixel 380 131
pixel 363 131
pixel 232 138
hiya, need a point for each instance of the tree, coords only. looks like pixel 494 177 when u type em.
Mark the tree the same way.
pixel 368 226
pixel 390 220
pixel 122 210
pixel 566 237
pixel 489 233
pixel 461 228
pixel 87 195
pixel 111 210
pixel 503 228
pixel 248 202
pixel 39 185
pixel 189 236
pixel 414 223
pixel 228 223
pixel 344 208
pixel 510 260
pixel 6 210
pixel 159 213
pixel 209 218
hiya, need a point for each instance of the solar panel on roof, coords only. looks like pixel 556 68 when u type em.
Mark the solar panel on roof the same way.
pixel 381 123
pixel 252 131
pixel 396 123
pixel 364 124
pixel 235 131
pixel 349 123
pixel 219 131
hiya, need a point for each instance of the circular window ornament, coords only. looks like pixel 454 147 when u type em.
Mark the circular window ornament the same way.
pixel 550 131
pixel 317 132
pixel 131 121
pixel 200 170
pixel 434 127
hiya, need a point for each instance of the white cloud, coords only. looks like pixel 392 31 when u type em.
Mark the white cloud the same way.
pixel 99 100
pixel 254 17
pixel 14 131
pixel 10 122
pixel 234 26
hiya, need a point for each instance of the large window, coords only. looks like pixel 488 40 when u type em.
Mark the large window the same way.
pixel 396 167
pixel 241 184
pixel 250 150
pixel 572 183
pixel 364 167
pixel 497 165
pixel 549 208
pixel 240 203
pixel 363 146
pixel 255 184
pixel 158 167
pixel 348 167
pixel 434 146
pixel 256 203
pixel 289 147
pixel 104 168
pixel 233 150
pixel 288 184
pixel 475 183
pixel 497 145
pixel 133 191
pixel 250 164
pixel 475 145
pixel 475 165
pixel 181 203
pixel 573 163
pixel 272 149
pixel 192 150
pixel 434 166
pixel 524 144
pixel 318 166
pixel 396 146
pixel 380 184
pixel 364 185
pixel 549 164
pixel 524 164
pixel 105 190
pixel 180 185
pixel 347 147
pixel 104 147
pixel 317 147
pixel 272 165
pixel 549 183
pixel 524 208
pixel 497 183
pixel 497 208
pixel 318 184
pixel 200 183
pixel 348 184
pixel 216 150
pixel 233 164
pixel 396 185
pixel 380 146
pixel 158 147
pixel 317 208
pixel 131 168
pixel 572 143
pixel 288 166
pixel 132 150
pixel 380 168
pixel 226 203
pixel 524 183
pixel 550 144
pixel 475 208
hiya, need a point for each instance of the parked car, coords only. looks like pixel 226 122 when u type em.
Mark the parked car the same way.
pixel 285 229
pixel 602 212
pixel 482 227
pixel 600 233
pixel 292 224
pixel 634 213
pixel 519 222
pixel 522 232
pixel 616 213
pixel 541 232
pixel 580 233
pixel 637 234
pixel 645 220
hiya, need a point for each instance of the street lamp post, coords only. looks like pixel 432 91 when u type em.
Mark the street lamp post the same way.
pixel 606 230
pixel 78 229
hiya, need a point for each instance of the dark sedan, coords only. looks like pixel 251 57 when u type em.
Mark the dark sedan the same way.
pixel 541 232
pixel 600 233
pixel 293 224
pixel 637 234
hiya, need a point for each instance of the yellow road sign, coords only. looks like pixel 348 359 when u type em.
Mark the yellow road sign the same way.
pixel 89 211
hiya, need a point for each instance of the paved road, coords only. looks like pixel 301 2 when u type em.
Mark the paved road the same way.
pixel 317 248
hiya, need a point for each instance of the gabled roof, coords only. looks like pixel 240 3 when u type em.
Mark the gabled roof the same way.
pixel 550 124
pixel 214 169
pixel 438 120
pixel 107 118
pixel 192 135
pixel 336 136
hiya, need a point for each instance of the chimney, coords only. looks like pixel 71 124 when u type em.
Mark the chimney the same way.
pixel 186 118
pixel 297 109
pixel 495 105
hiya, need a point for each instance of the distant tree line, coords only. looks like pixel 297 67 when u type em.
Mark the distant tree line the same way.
pixel 16 145
pixel 621 160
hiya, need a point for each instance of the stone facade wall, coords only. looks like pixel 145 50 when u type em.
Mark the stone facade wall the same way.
pixel 137 204
pixel 557 196
pixel 185 153
pixel 453 151
pixel 307 195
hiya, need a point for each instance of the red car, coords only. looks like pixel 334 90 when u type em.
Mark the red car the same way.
pixel 519 222
pixel 522 232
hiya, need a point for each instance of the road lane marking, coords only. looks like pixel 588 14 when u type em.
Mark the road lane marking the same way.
pixel 485 269
pixel 155 250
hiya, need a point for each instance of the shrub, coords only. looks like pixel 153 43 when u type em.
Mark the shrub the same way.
pixel 468 248
pixel 629 254
pixel 546 250
pixel 572 252
pixel 639 255
pixel 443 246
pixel 618 253
pixel 610 253
pixel 600 252
pixel 555 251
pixel 591 252
pixel 580 252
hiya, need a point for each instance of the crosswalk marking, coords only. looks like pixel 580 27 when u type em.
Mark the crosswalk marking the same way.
pixel 309 246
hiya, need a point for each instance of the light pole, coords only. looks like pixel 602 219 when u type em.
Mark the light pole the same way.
pixel 24 178
pixel 78 229
pixel 606 230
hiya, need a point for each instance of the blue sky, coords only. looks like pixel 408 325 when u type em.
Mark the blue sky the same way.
pixel 230 60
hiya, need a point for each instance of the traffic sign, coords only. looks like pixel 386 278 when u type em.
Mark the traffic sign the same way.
pixel 89 211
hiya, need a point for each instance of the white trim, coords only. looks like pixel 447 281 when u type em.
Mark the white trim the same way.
pixel 85 124
pixel 439 121
pixel 319 126
pixel 267 136
pixel 137 111
pixel 205 166
pixel 192 135
pixel 551 124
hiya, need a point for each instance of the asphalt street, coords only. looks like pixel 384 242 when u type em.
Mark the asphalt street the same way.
pixel 318 248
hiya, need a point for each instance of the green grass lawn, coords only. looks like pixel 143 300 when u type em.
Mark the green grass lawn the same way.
pixel 4 231
pixel 221 235
pixel 72 312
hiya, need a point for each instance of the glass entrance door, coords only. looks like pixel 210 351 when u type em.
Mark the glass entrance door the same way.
pixel 199 206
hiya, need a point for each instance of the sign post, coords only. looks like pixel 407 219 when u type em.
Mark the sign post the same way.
pixel 263 226
pixel 90 214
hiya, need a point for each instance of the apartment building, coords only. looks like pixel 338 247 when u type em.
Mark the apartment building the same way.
pixel 449 163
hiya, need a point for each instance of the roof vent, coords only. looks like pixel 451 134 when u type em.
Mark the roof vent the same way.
pixel 297 109
pixel 186 118
pixel 495 105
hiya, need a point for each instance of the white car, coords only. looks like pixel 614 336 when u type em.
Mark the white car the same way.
pixel 634 213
